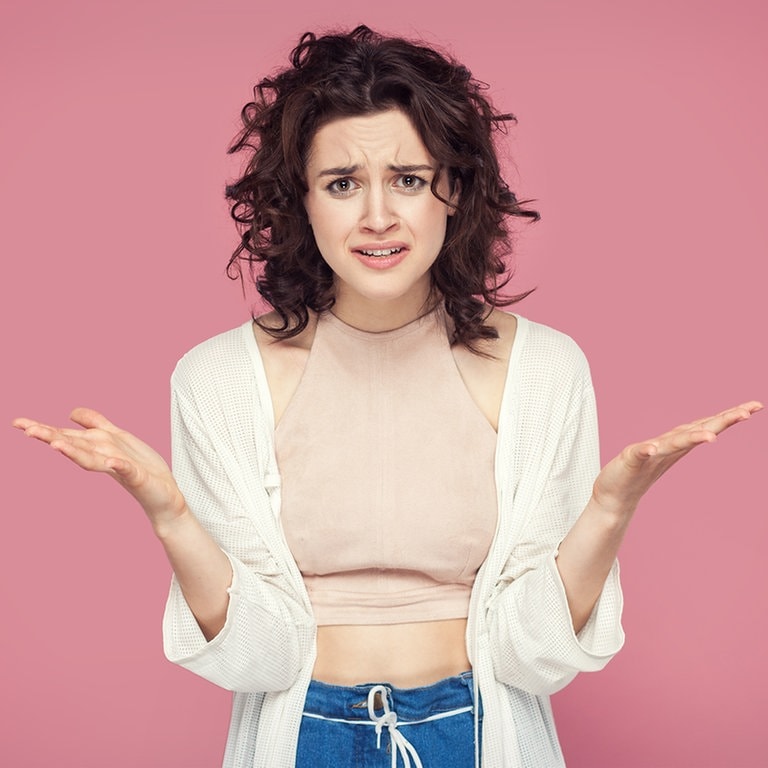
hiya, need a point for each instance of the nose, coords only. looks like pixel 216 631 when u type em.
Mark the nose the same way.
pixel 378 214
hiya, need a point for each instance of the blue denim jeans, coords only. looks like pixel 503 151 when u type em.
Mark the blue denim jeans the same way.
pixel 379 726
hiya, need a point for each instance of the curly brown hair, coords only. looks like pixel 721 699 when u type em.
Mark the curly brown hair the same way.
pixel 359 73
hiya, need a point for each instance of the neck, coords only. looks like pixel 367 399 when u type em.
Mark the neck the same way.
pixel 378 316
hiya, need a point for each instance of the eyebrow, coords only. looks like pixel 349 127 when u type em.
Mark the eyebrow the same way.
pixel 348 170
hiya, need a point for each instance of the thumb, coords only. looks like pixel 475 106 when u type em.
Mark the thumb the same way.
pixel 90 419
pixel 126 472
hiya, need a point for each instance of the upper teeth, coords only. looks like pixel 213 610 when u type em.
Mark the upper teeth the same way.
pixel 381 252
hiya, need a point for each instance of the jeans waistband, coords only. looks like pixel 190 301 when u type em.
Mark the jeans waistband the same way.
pixel 383 706
pixel 351 702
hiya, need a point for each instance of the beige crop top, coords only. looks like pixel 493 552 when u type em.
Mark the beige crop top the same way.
pixel 387 465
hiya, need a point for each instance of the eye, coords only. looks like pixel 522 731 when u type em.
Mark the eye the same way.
pixel 341 187
pixel 410 182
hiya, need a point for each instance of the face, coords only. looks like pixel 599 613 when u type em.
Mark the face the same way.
pixel 374 217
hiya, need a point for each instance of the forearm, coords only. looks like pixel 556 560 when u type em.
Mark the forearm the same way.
pixel 202 570
pixel 586 556
pixel 588 551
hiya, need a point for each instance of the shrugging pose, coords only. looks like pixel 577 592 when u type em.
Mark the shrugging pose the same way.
pixel 388 528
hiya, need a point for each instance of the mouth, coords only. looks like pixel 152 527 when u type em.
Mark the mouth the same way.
pixel 379 253
pixel 381 256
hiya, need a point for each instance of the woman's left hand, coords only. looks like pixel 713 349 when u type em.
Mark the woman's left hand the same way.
pixel 623 481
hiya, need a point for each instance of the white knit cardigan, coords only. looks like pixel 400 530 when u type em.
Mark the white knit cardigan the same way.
pixel 520 638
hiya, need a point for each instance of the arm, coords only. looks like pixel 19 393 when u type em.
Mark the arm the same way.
pixel 232 616
pixel 556 606
pixel 588 551
pixel 554 460
pixel 268 632
pixel 202 569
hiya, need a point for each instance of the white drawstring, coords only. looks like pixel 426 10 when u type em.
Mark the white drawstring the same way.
pixel 400 745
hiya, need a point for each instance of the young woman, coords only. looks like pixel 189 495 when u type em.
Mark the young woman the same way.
pixel 387 525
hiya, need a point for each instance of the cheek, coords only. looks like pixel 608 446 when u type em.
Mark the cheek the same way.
pixel 436 217
pixel 319 209
pixel 326 227
pixel 316 216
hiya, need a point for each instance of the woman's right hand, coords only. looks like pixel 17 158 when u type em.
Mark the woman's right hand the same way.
pixel 100 446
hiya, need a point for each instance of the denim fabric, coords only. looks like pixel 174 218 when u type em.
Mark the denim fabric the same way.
pixel 338 730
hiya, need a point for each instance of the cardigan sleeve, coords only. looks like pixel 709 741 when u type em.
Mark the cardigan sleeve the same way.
pixel 268 633
pixel 532 638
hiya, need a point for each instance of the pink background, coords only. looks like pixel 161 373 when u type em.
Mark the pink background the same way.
pixel 642 136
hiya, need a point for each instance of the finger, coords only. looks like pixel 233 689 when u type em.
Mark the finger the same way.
pixel 92 460
pixel 685 440
pixel 22 423
pixel 94 440
pixel 726 419
pixel 676 443
pixel 26 424
pixel 90 419
pixel 716 423
pixel 738 412
pixel 46 433
pixel 42 432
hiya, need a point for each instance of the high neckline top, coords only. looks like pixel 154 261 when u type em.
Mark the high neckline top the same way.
pixel 387 519
pixel 435 316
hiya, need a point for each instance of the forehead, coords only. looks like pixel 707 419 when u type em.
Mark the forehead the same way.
pixel 383 136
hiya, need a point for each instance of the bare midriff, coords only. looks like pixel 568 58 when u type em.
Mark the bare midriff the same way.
pixel 405 655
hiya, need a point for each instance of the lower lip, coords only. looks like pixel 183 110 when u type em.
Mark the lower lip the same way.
pixel 381 262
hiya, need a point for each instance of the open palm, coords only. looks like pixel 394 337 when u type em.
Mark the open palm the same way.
pixel 624 479
pixel 100 446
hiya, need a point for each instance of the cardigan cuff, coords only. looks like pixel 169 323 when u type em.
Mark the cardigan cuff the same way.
pixel 533 641
pixel 183 641
pixel 602 636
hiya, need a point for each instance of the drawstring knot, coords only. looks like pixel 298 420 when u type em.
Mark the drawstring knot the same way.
pixel 379 694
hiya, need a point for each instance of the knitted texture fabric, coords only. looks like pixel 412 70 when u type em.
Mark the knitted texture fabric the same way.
pixel 520 638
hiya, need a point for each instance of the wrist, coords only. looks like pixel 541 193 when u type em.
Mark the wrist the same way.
pixel 172 522
pixel 612 512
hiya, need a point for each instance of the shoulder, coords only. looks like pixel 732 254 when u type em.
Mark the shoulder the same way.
pixel 523 340
pixel 548 374
pixel 212 363
pixel 548 387
pixel 547 349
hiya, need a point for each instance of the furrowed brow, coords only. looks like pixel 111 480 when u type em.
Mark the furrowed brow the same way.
pixel 347 170
pixel 410 168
